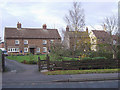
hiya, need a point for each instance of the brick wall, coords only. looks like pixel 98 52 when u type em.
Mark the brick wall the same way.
pixel 10 43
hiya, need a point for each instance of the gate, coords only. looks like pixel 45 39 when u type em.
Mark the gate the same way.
pixel 44 64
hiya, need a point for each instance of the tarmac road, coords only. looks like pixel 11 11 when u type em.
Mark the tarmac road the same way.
pixel 90 84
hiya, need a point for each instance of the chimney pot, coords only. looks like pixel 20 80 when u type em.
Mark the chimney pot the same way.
pixel 87 29
pixel 18 25
pixel 67 28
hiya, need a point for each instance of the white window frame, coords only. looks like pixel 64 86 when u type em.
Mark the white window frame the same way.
pixel 44 49
pixel 13 49
pixel 44 42
pixel 114 42
pixel 25 49
pixel 17 42
pixel 51 41
pixel 25 42
pixel 38 50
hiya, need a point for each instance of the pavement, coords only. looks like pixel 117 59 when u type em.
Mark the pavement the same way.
pixel 19 73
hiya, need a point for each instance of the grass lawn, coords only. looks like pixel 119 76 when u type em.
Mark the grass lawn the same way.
pixel 70 72
pixel 27 58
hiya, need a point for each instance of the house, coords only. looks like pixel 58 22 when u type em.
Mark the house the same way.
pixel 76 39
pixel 99 37
pixel 30 40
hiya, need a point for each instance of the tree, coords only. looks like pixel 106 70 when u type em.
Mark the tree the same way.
pixel 76 18
pixel 76 23
pixel 0 39
pixel 110 24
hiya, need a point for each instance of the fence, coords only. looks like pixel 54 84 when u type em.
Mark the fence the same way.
pixel 44 64
pixel 86 64
pixel 77 65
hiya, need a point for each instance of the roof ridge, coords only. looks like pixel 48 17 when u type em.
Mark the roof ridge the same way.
pixel 30 28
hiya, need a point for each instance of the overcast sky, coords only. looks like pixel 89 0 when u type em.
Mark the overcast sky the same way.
pixel 35 13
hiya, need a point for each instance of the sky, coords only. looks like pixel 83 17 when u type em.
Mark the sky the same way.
pixel 35 13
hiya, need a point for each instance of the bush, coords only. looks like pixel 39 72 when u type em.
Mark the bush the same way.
pixel 32 62
pixel 86 58
pixel 98 58
pixel 101 54
pixel 118 54
pixel 31 57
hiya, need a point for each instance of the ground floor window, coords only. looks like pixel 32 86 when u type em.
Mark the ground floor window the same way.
pixel 13 49
pixel 44 49
pixel 25 49
pixel 38 50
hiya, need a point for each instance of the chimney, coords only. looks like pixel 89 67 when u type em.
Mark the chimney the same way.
pixel 44 26
pixel 18 25
pixel 87 29
pixel 67 28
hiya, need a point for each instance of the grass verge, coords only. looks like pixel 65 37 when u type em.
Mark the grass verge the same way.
pixel 70 72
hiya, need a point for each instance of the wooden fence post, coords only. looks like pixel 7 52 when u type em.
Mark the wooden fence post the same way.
pixel 3 63
pixel 39 64
pixel 48 62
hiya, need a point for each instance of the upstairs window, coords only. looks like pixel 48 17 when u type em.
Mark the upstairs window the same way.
pixel 44 42
pixel 16 42
pixel 114 42
pixel 25 42
pixel 51 41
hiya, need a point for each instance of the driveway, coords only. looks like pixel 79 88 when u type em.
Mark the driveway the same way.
pixel 19 72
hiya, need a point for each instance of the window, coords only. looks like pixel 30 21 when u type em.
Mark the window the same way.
pixel 25 49
pixel 38 50
pixel 13 49
pixel 114 42
pixel 25 42
pixel 44 42
pixel 16 41
pixel 51 41
pixel 44 49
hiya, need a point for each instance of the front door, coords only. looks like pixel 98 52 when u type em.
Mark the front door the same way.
pixel 32 50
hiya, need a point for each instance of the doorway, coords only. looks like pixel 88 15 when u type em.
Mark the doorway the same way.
pixel 32 50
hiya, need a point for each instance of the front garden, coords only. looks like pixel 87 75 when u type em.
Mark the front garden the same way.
pixel 62 59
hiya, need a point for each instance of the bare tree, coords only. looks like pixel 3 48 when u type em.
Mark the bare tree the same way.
pixel 0 39
pixel 111 26
pixel 76 18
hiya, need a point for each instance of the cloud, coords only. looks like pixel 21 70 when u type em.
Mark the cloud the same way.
pixel 34 13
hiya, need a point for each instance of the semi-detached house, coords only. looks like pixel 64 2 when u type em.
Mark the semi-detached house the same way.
pixel 30 40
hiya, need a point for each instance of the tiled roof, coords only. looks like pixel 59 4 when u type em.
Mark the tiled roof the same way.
pixel 31 33
pixel 78 34
pixel 101 35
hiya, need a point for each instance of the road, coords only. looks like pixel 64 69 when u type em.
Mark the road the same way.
pixel 91 84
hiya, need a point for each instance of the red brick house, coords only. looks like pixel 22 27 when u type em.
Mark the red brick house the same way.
pixel 30 40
